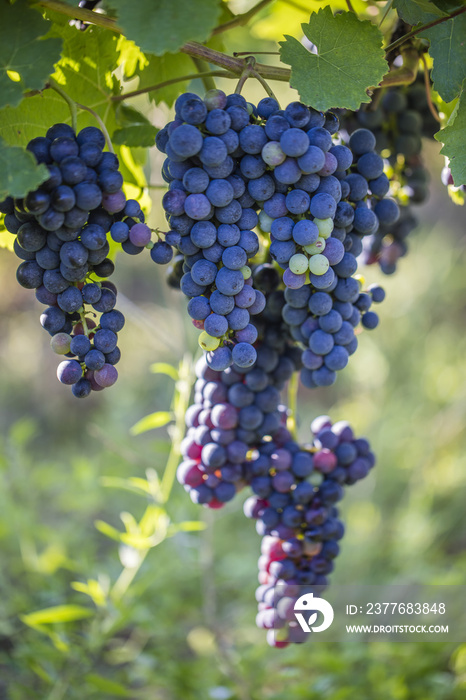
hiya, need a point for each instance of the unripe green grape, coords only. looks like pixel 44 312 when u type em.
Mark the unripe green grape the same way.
pixel 246 272
pixel 272 153
pixel 325 227
pixel 318 264
pixel 60 343
pixel 265 222
pixel 299 264
pixel 208 342
pixel 317 247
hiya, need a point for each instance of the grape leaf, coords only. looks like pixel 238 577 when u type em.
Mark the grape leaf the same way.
pixel 162 68
pixel 135 129
pixel 19 172
pixel 453 137
pixel 415 11
pixel 448 50
pixel 167 24
pixel 26 59
pixel 350 59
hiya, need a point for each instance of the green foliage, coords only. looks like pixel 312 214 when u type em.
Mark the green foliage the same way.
pixel 453 136
pixel 349 60
pixel 26 58
pixel 135 129
pixel 159 69
pixel 448 50
pixel 166 26
pixel 19 172
pixel 417 11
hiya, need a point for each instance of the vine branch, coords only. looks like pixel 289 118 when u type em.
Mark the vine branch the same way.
pixel 418 30
pixel 232 65
pixel 242 19
pixel 166 83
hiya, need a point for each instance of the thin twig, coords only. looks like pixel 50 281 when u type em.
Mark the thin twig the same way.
pixel 240 20
pixel 236 54
pixel 350 7
pixel 418 30
pixel 87 16
pixel 203 69
pixel 53 85
pixel 166 83
pixel 265 85
pixel 98 119
pixel 428 90
pixel 247 72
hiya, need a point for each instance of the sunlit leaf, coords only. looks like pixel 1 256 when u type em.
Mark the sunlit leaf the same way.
pixel 26 59
pixel 153 420
pixel 349 60
pixel 165 368
pixel 56 615
pixel 453 137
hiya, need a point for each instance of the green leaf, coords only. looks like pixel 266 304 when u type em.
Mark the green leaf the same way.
pixel 415 11
pixel 55 615
pixel 167 24
pixel 448 50
pixel 453 137
pixel 107 530
pixel 160 69
pixel 350 60
pixel 153 420
pixel 19 171
pixel 26 60
pixel 187 526
pixel 136 130
pixel 107 686
pixel 165 368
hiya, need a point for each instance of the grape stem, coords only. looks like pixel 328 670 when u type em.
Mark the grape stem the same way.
pixel 248 70
pixel 53 85
pixel 291 422
pixel 265 85
pixel 108 140
pixel 428 90
pixel 203 68
pixel 350 6
pixel 422 28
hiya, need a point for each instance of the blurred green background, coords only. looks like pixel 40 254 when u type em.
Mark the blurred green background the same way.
pixel 174 619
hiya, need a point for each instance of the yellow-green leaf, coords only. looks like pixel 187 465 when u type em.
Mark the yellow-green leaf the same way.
pixel 153 420
pixel 56 615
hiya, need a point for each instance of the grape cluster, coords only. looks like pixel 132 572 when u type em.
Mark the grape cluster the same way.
pixel 232 167
pixel 61 237
pixel 234 410
pixel 325 324
pixel 296 490
pixel 211 218
pixel 397 122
